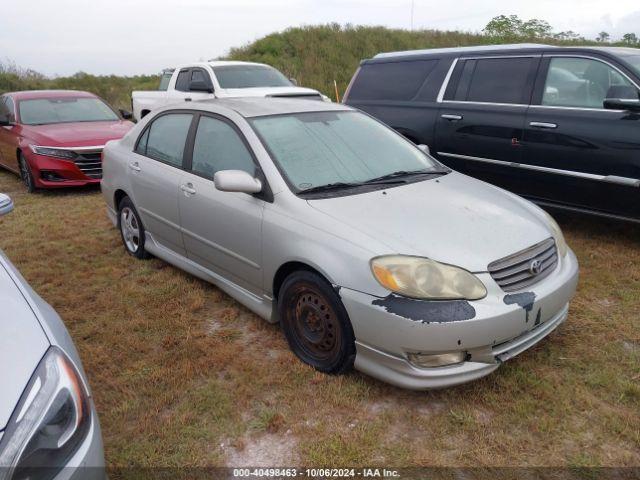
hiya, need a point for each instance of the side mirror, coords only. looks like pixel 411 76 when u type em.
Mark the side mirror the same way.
pixel 621 104
pixel 5 122
pixel 200 86
pixel 6 204
pixel 126 114
pixel 424 148
pixel 236 181
pixel 294 81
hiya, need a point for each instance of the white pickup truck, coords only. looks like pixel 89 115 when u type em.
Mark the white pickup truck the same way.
pixel 218 79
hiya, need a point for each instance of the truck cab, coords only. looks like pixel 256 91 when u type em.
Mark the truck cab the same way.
pixel 218 79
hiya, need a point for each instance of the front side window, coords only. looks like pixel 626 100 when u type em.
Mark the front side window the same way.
pixel 250 76
pixel 6 109
pixel 322 148
pixel 43 111
pixel 183 80
pixel 584 83
pixel 165 138
pixel 218 146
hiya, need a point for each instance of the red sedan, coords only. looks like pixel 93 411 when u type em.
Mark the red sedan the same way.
pixel 54 138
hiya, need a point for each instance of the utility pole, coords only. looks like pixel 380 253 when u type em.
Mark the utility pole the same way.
pixel 412 2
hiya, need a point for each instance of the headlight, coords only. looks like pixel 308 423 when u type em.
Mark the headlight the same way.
pixel 50 421
pixel 53 152
pixel 561 244
pixel 419 277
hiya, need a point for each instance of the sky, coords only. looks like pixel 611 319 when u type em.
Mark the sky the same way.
pixel 128 37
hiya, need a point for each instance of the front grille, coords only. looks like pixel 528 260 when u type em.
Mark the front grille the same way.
pixel 306 96
pixel 90 163
pixel 515 272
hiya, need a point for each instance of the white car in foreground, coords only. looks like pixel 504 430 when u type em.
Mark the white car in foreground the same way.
pixel 218 79
pixel 49 428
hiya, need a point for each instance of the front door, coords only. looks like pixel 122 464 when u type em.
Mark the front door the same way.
pixel 222 231
pixel 587 157
pixel 481 117
pixel 8 135
pixel 155 173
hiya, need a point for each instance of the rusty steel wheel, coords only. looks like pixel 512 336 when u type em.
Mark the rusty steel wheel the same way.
pixel 315 323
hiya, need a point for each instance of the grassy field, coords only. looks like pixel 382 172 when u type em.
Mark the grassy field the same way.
pixel 183 375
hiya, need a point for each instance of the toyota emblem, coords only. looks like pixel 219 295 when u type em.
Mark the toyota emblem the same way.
pixel 535 266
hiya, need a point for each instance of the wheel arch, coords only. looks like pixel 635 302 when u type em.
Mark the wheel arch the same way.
pixel 118 195
pixel 290 267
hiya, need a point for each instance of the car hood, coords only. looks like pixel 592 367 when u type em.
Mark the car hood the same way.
pixel 270 92
pixel 22 344
pixel 80 134
pixel 453 219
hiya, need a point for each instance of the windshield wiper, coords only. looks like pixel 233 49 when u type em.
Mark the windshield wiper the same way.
pixel 395 177
pixel 329 186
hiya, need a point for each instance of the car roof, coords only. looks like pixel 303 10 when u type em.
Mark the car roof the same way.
pixel 213 63
pixel 512 48
pixel 475 48
pixel 34 94
pixel 262 106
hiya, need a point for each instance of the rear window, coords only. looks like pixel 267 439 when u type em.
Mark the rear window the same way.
pixel 164 81
pixel 493 80
pixel 391 81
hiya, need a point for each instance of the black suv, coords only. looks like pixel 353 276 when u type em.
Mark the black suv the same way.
pixel 558 125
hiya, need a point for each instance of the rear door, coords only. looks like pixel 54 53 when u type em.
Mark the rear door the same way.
pixel 222 230
pixel 480 123
pixel 584 155
pixel 155 172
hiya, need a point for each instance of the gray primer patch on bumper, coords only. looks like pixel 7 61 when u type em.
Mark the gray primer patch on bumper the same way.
pixel 524 300
pixel 427 311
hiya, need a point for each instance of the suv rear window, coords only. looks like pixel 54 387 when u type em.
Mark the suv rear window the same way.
pixel 494 80
pixel 391 80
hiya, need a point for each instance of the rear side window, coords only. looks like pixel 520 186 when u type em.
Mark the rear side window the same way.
pixel 183 80
pixel 391 81
pixel 218 146
pixel 495 80
pixel 165 138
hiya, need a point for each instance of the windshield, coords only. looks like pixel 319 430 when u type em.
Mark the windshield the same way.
pixel 323 148
pixel 250 76
pixel 43 111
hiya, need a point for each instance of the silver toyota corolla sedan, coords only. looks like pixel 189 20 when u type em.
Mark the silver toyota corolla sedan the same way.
pixel 48 423
pixel 367 250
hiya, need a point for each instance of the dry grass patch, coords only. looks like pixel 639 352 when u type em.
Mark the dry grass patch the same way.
pixel 183 375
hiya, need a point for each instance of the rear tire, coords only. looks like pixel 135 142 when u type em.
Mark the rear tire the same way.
pixel 131 229
pixel 25 174
pixel 316 323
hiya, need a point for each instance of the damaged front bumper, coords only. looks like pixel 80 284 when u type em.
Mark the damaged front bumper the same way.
pixel 490 330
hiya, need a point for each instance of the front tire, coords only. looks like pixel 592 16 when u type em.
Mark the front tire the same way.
pixel 131 229
pixel 25 174
pixel 316 323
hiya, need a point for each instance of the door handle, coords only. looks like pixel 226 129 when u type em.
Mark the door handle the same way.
pixel 135 167
pixel 543 125
pixel 448 116
pixel 187 99
pixel 188 189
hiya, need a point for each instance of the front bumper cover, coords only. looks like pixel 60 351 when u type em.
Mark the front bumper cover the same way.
pixel 490 330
